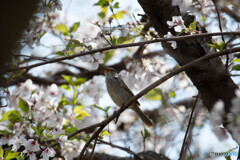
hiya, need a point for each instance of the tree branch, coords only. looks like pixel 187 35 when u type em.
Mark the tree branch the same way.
pixel 83 53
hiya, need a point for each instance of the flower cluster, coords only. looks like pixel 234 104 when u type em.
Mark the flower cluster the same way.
pixel 37 112
pixel 93 60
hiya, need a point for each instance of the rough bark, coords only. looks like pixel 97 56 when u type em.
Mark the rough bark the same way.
pixel 210 77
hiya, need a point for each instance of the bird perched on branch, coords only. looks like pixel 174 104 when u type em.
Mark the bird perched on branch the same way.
pixel 120 94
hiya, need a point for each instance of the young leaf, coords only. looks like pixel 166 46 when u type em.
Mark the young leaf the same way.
pixel 15 117
pixel 70 130
pixel 118 15
pixel 18 73
pixel 80 81
pixel 8 114
pixel 62 28
pixel 1 152
pixel 102 15
pixel 82 114
pixel 36 130
pixel 116 5
pixel 172 94
pixel 108 55
pixel 78 109
pixel 105 133
pixel 68 78
pixel 74 27
pixel 12 155
pixel 73 44
pixel 100 2
pixel 154 94
pixel 193 26
pixel 23 105
pixel 236 60
pixel 60 53
pixel 144 133
pixel 236 67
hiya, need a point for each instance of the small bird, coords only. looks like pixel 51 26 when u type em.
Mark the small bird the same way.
pixel 120 94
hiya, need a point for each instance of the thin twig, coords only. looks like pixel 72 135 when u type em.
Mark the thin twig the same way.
pixel 188 128
pixel 121 148
pixel 220 28
pixel 91 157
pixel 83 53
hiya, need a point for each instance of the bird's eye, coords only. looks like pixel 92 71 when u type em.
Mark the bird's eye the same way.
pixel 112 69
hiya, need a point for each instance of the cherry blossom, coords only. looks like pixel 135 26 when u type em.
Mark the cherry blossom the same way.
pixel 173 43
pixel 4 139
pixel 177 22
pixel 31 154
pixel 94 60
pixel 62 139
pixel 69 151
pixel 93 88
pixel 27 87
pixel 57 131
pixel 56 5
pixel 31 145
pixel 53 90
pixel 17 142
pixel 48 152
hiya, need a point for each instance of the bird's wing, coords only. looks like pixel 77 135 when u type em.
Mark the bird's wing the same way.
pixel 123 85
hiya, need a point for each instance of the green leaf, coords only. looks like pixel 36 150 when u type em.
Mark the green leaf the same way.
pixel 116 5
pixel 36 130
pixel 1 152
pixel 4 132
pixel 18 73
pixel 63 101
pixel 172 94
pixel 70 130
pixel 73 44
pixel 60 53
pixel 68 78
pixel 105 133
pixel 12 155
pixel 193 26
pixel 236 67
pixel 62 28
pixel 144 133
pixel 102 15
pixel 82 114
pixel 125 39
pixel 23 105
pixel 15 117
pixel 67 87
pixel 100 2
pixel 74 27
pixel 77 109
pixel 114 40
pixel 108 55
pixel 118 15
pixel 9 114
pixel 10 126
pixel 154 94
pixel 80 81
pixel 236 60
pixel 222 45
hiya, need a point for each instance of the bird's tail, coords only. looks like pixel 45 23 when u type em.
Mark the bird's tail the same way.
pixel 143 117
